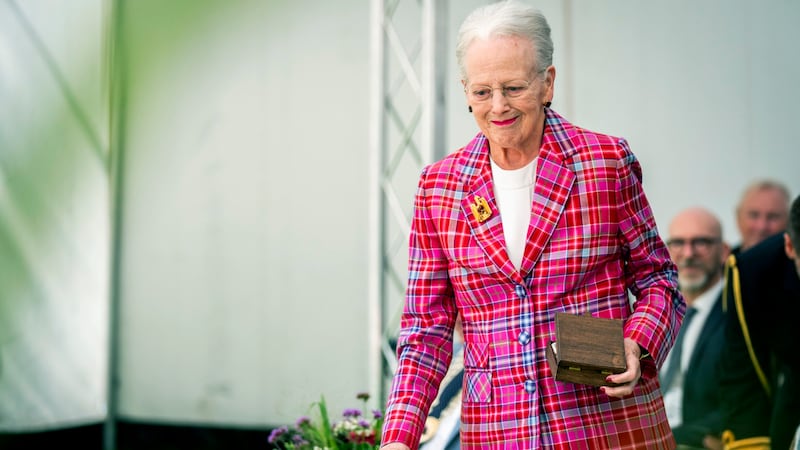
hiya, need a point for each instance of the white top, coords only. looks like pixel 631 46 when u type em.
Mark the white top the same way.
pixel 673 398
pixel 514 192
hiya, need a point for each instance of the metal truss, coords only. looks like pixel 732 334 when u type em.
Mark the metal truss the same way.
pixel 407 131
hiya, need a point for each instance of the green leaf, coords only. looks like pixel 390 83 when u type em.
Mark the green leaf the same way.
pixel 329 439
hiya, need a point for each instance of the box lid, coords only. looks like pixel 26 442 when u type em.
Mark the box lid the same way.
pixel 590 342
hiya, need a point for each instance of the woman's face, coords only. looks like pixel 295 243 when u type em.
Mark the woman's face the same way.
pixel 506 94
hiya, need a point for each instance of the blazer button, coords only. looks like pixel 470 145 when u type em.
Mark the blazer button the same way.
pixel 520 291
pixel 530 386
pixel 524 337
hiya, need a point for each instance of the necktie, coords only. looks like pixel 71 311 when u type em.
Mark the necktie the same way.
pixel 674 367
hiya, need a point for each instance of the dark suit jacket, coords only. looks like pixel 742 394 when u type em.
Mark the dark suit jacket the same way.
pixel 701 395
pixel 770 290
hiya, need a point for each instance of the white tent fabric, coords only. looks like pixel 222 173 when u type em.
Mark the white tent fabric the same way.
pixel 54 221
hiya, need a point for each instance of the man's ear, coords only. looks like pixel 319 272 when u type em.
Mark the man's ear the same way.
pixel 725 253
pixel 788 247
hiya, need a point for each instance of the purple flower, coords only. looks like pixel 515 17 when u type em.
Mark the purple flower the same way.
pixel 352 429
pixel 352 412
pixel 277 433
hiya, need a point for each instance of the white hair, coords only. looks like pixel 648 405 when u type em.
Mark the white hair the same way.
pixel 506 18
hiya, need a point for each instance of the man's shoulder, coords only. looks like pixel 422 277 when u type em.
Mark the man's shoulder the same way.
pixel 764 277
pixel 763 259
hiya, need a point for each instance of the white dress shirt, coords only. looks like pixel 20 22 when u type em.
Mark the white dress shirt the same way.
pixel 514 192
pixel 673 397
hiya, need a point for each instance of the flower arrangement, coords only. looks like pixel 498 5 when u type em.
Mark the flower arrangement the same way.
pixel 353 432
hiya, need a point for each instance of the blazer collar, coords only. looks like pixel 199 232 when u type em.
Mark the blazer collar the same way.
pixel 554 181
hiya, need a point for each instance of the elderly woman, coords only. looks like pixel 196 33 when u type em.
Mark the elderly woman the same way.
pixel 532 217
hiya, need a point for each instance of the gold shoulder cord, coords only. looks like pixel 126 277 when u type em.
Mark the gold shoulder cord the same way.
pixel 730 266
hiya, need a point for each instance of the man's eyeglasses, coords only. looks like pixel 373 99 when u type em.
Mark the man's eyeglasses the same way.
pixel 698 244
pixel 511 89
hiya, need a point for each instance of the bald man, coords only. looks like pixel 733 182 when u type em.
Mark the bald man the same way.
pixel 690 373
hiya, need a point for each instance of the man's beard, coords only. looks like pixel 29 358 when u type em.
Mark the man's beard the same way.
pixel 693 285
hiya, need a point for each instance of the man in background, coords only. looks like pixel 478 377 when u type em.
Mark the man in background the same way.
pixel 690 373
pixel 763 210
pixel 760 379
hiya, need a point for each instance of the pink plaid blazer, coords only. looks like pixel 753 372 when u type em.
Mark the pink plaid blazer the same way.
pixel 592 237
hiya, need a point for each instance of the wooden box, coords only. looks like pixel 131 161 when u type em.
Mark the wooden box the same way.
pixel 586 350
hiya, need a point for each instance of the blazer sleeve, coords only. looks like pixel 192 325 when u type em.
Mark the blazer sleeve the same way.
pixel 425 343
pixel 652 276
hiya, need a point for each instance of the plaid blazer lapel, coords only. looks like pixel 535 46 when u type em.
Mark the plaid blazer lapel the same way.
pixel 488 230
pixel 554 182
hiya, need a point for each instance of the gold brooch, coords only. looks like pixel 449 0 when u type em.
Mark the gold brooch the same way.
pixel 480 209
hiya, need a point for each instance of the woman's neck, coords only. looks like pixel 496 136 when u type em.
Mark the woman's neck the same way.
pixel 512 158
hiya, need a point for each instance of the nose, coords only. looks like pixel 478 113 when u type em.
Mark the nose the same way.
pixel 499 101
pixel 766 223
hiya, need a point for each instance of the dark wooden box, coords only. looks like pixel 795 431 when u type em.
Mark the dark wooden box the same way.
pixel 586 350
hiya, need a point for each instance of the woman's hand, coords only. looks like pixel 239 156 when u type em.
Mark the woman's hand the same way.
pixel 630 377
pixel 395 446
pixel 712 442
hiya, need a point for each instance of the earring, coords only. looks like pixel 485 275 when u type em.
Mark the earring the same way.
pixel 547 104
pixel 470 108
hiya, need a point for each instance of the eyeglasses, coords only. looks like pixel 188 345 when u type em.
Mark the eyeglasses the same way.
pixel 698 244
pixel 511 89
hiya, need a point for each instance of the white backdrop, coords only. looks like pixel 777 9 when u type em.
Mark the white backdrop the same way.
pixel 54 216
pixel 243 289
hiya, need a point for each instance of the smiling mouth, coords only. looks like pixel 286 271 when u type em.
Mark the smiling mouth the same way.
pixel 502 123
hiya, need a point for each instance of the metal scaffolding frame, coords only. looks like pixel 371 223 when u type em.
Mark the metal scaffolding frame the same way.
pixel 407 131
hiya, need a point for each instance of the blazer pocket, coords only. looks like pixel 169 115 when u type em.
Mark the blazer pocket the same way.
pixel 477 374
